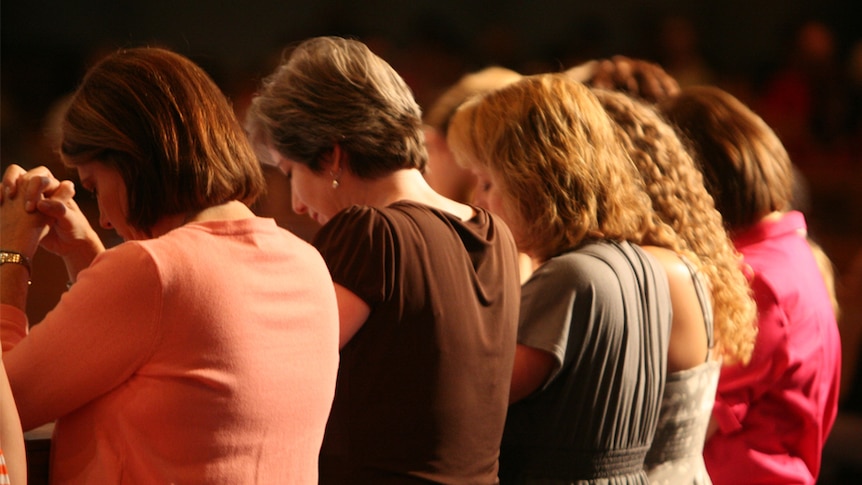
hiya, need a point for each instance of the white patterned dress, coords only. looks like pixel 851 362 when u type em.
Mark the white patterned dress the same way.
pixel 676 454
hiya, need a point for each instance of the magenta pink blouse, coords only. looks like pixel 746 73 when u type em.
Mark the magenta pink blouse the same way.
pixel 774 414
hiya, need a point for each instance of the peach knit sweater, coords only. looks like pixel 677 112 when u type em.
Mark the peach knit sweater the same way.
pixel 207 355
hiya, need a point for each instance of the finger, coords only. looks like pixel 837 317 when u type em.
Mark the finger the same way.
pixel 583 72
pixel 52 208
pixel 625 78
pixel 10 179
pixel 40 183
pixel 670 86
pixel 622 67
pixel 602 76
pixel 61 201
pixel 648 84
pixel 64 192
pixel 620 74
pixel 33 190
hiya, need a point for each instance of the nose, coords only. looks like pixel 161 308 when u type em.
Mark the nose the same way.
pixel 298 206
pixel 104 222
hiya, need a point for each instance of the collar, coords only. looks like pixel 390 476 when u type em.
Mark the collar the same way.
pixel 791 222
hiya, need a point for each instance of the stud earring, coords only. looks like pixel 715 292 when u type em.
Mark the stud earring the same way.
pixel 335 182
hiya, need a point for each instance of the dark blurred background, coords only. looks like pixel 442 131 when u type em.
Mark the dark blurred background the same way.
pixel 798 63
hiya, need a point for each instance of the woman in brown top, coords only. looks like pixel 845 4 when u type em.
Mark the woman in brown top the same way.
pixel 427 287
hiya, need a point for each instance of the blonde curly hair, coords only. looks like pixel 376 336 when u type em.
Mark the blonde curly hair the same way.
pixel 679 197
pixel 557 159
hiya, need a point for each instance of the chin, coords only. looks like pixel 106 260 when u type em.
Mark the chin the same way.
pixel 319 218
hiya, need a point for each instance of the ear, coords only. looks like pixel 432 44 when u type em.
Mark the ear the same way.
pixel 337 160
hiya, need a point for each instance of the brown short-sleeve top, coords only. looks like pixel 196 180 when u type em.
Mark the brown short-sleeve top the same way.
pixel 423 386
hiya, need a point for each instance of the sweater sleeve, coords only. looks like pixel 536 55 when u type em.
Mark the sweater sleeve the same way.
pixel 13 326
pixel 102 330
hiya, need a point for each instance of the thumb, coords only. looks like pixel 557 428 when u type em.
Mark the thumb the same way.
pixel 56 206
pixel 65 191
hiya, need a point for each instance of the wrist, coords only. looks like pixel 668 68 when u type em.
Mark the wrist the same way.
pixel 16 279
pixel 16 258
pixel 82 256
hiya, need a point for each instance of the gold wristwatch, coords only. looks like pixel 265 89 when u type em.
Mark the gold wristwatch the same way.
pixel 14 257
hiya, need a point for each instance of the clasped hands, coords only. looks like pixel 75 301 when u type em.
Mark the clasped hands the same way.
pixel 38 209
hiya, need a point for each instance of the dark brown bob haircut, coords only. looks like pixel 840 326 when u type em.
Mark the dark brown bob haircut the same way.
pixel 161 121
pixel 745 166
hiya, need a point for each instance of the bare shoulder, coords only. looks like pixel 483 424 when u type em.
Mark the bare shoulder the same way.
pixel 672 263
pixel 688 341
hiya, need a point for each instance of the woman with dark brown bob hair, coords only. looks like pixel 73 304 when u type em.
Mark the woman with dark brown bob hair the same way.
pixel 427 287
pixel 204 348
pixel 773 413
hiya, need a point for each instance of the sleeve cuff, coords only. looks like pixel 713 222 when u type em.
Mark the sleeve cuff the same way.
pixel 729 417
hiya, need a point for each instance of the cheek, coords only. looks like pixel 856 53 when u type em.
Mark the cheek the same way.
pixel 106 208
pixel 480 199
pixel 495 203
pixel 120 203
pixel 508 214
pixel 303 187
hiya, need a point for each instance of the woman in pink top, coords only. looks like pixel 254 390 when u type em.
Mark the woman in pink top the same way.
pixel 772 415
pixel 204 348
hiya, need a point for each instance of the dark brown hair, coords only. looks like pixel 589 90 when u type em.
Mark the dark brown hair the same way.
pixel 746 168
pixel 158 119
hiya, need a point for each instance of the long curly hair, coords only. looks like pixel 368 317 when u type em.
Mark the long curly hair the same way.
pixel 679 197
pixel 556 156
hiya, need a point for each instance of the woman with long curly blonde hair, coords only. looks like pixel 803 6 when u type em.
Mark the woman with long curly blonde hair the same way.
pixel 679 197
pixel 595 314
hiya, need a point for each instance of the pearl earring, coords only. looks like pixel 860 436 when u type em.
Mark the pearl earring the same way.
pixel 335 182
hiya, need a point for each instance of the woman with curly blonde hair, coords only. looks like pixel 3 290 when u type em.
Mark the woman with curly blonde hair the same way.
pixel 679 197
pixel 595 314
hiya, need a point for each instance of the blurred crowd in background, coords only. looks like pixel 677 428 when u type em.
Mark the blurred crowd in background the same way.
pixel 799 65
pixel 802 74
